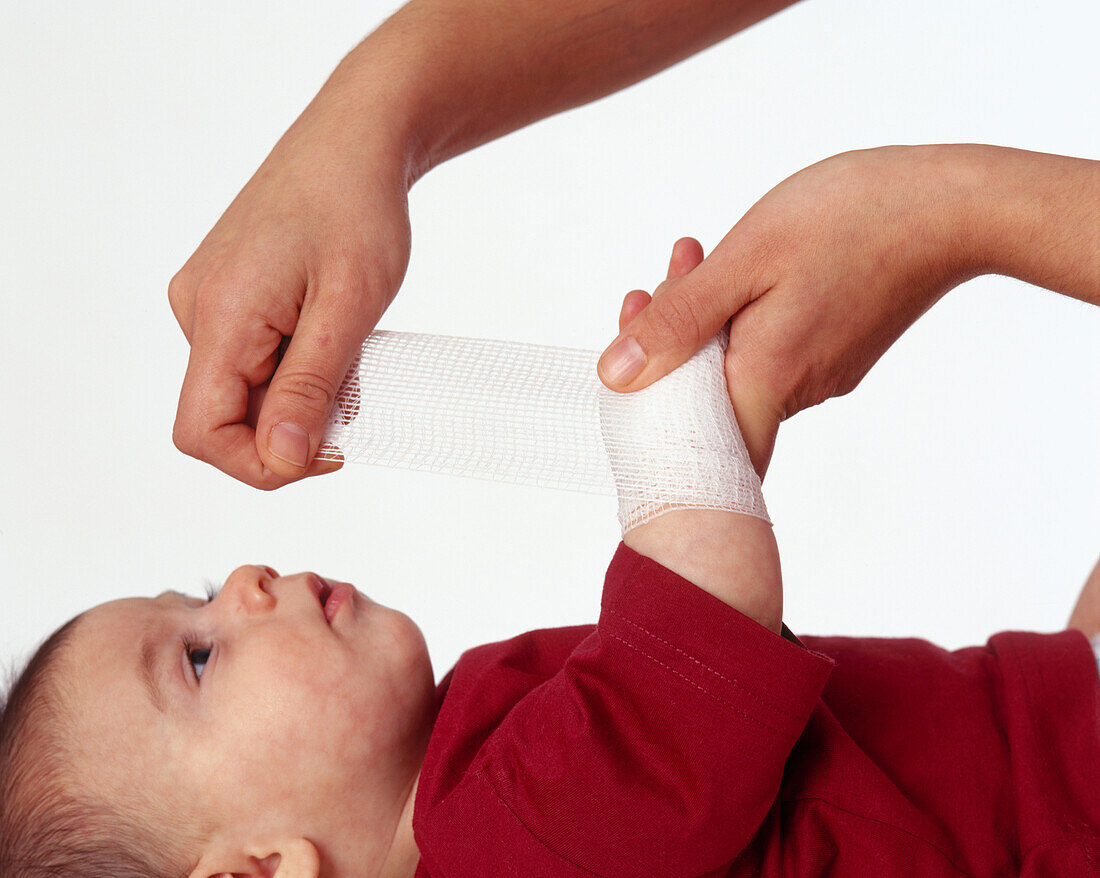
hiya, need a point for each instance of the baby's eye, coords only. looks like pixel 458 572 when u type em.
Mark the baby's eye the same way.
pixel 198 657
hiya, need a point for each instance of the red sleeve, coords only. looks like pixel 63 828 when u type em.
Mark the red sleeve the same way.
pixel 656 750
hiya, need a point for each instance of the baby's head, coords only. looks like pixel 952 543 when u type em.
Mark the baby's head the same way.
pixel 279 725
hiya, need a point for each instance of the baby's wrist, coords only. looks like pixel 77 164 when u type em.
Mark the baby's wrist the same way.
pixel 730 555
pixel 676 444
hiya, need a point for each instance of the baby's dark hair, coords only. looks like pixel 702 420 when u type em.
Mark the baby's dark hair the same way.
pixel 49 827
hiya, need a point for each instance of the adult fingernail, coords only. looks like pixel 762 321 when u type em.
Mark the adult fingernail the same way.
pixel 622 362
pixel 289 443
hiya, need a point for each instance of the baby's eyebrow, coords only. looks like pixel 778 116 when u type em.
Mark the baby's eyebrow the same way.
pixel 177 594
pixel 148 654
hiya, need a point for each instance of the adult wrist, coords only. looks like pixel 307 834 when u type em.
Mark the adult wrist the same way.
pixel 1032 216
pixel 366 106
pixel 412 72
pixel 953 180
pixel 990 205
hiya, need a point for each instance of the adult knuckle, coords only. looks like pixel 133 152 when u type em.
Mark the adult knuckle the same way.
pixel 180 291
pixel 195 438
pixel 309 390
pixel 677 318
pixel 176 287
pixel 230 280
pixel 219 301
pixel 351 280
pixel 185 440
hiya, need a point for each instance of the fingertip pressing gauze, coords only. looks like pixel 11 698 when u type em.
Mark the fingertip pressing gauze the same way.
pixel 539 415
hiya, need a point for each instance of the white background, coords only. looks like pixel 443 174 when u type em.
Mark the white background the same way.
pixel 954 494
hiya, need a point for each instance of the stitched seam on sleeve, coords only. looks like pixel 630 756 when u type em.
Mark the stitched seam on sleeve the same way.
pixel 705 666
pixel 1075 831
pixel 702 689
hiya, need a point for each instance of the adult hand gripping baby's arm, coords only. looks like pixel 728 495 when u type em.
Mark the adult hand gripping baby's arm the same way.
pixel 828 269
pixel 731 556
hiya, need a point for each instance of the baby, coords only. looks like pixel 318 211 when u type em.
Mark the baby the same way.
pixel 290 726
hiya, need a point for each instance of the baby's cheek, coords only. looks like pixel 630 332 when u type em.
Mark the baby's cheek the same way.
pixel 313 694
pixel 405 682
pixel 338 708
pixel 282 733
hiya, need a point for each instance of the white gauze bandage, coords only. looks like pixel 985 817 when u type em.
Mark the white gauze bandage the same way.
pixel 539 415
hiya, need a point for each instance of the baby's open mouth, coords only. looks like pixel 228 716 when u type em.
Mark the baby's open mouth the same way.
pixel 334 597
pixel 330 595
pixel 322 590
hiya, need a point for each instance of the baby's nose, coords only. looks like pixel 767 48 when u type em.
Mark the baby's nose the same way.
pixel 248 586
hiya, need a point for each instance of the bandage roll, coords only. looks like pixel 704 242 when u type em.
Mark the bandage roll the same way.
pixel 539 415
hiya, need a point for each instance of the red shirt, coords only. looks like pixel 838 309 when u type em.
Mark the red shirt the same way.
pixel 679 737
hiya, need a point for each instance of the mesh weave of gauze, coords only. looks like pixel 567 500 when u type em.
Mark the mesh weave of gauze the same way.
pixel 539 415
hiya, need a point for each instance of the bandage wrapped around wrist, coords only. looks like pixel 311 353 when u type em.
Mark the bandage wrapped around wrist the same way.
pixel 539 415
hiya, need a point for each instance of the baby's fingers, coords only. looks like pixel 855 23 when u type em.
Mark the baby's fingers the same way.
pixel 685 312
pixel 633 305
pixel 687 253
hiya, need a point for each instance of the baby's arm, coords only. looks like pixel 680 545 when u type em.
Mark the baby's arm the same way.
pixel 688 496
pixel 730 555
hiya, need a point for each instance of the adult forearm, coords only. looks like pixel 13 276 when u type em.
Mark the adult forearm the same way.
pixel 1037 217
pixel 454 74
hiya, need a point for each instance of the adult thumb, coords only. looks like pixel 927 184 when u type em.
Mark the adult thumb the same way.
pixel 685 313
pixel 302 392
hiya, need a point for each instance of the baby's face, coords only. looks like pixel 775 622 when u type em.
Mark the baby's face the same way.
pixel 285 707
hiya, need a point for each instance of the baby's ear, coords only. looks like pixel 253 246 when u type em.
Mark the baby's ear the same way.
pixel 292 858
pixel 296 858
